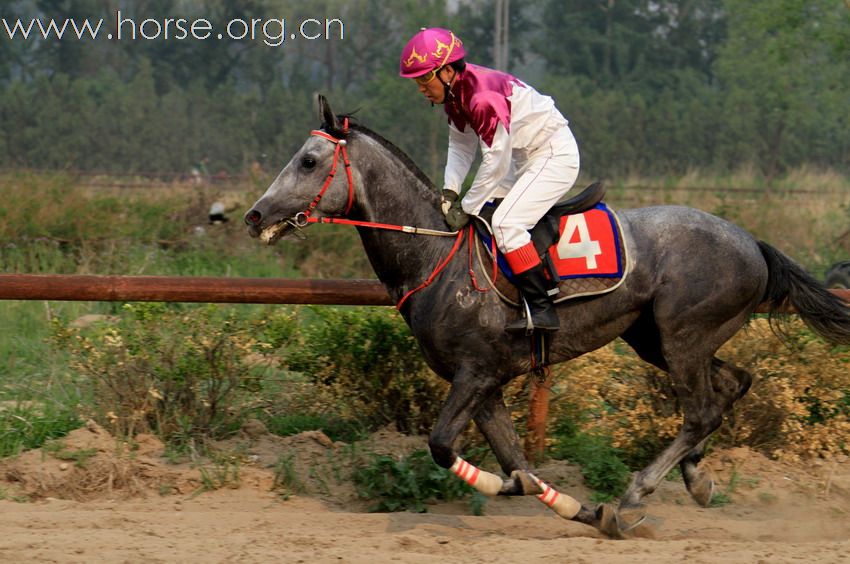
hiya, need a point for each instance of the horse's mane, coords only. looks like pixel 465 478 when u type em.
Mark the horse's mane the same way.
pixel 392 148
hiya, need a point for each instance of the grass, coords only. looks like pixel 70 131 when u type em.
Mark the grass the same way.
pixel 720 499
pixel 286 480
pixel 601 464
pixel 25 427
pixel 29 366
pixel 59 451
pixel 767 498
pixel 286 424
pixel 804 213
pixel 221 472
pixel 16 498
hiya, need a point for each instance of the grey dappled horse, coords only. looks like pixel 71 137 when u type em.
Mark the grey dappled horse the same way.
pixel 695 280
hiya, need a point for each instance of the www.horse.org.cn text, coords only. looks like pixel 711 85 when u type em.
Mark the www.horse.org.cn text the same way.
pixel 273 32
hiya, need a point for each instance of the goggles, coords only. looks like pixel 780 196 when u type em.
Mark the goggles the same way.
pixel 427 77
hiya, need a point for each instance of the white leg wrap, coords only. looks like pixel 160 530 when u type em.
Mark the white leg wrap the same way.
pixel 481 480
pixel 562 504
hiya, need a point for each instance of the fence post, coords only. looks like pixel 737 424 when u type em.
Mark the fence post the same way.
pixel 538 413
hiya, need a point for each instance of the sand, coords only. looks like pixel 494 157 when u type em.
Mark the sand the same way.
pixel 128 503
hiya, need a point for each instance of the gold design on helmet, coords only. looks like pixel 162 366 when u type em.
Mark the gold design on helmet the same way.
pixel 438 52
pixel 447 48
pixel 414 55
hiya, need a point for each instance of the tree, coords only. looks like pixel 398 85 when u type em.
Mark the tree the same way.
pixel 786 74
pixel 630 43
pixel 484 25
pixel 71 56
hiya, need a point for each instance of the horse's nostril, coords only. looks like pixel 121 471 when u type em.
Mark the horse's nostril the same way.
pixel 253 217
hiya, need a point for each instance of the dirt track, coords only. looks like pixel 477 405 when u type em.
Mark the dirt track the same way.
pixel 777 513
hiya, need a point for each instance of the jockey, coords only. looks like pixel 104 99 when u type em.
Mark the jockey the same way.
pixel 529 155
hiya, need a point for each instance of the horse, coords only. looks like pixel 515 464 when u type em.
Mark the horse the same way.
pixel 694 281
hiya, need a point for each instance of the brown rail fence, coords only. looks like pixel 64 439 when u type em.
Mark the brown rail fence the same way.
pixel 62 287
pixel 72 287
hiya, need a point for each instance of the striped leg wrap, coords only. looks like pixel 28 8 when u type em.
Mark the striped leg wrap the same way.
pixel 481 480
pixel 562 504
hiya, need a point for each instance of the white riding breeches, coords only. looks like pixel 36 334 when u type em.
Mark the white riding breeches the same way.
pixel 543 178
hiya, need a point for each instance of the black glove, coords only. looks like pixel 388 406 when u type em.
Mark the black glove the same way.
pixel 455 216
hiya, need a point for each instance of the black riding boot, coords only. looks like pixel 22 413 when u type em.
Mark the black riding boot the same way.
pixel 533 285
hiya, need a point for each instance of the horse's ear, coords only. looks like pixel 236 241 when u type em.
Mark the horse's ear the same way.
pixel 327 115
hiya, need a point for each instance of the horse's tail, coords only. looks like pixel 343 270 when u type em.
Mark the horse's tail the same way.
pixel 788 284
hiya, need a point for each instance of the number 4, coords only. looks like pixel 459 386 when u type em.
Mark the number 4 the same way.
pixel 584 247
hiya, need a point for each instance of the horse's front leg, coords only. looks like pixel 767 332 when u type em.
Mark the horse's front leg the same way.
pixel 494 422
pixel 467 395
pixel 493 419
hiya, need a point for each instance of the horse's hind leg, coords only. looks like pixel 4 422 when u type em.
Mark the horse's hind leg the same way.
pixel 727 384
pixel 698 482
pixel 702 415
pixel 731 384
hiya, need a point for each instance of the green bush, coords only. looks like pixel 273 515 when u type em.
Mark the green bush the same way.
pixel 797 407
pixel 369 368
pixel 409 483
pixel 182 372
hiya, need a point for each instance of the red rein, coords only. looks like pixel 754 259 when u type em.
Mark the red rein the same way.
pixel 437 270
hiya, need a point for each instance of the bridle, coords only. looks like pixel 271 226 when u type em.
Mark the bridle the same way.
pixel 301 219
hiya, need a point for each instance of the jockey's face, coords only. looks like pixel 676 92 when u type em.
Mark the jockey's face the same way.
pixel 433 89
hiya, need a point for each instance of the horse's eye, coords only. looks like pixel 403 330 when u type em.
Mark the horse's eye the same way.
pixel 308 162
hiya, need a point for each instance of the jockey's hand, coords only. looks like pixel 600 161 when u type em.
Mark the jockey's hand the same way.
pixel 449 197
pixel 455 216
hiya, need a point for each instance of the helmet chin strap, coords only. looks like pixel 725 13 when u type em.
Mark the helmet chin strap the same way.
pixel 448 95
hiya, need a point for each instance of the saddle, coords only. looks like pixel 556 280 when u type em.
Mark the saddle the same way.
pixel 585 255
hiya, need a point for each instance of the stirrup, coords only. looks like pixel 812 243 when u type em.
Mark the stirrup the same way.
pixel 530 327
pixel 515 328
pixel 529 321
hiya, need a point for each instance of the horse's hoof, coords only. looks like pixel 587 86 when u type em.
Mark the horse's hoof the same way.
pixel 609 521
pixel 701 489
pixel 631 517
pixel 522 481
